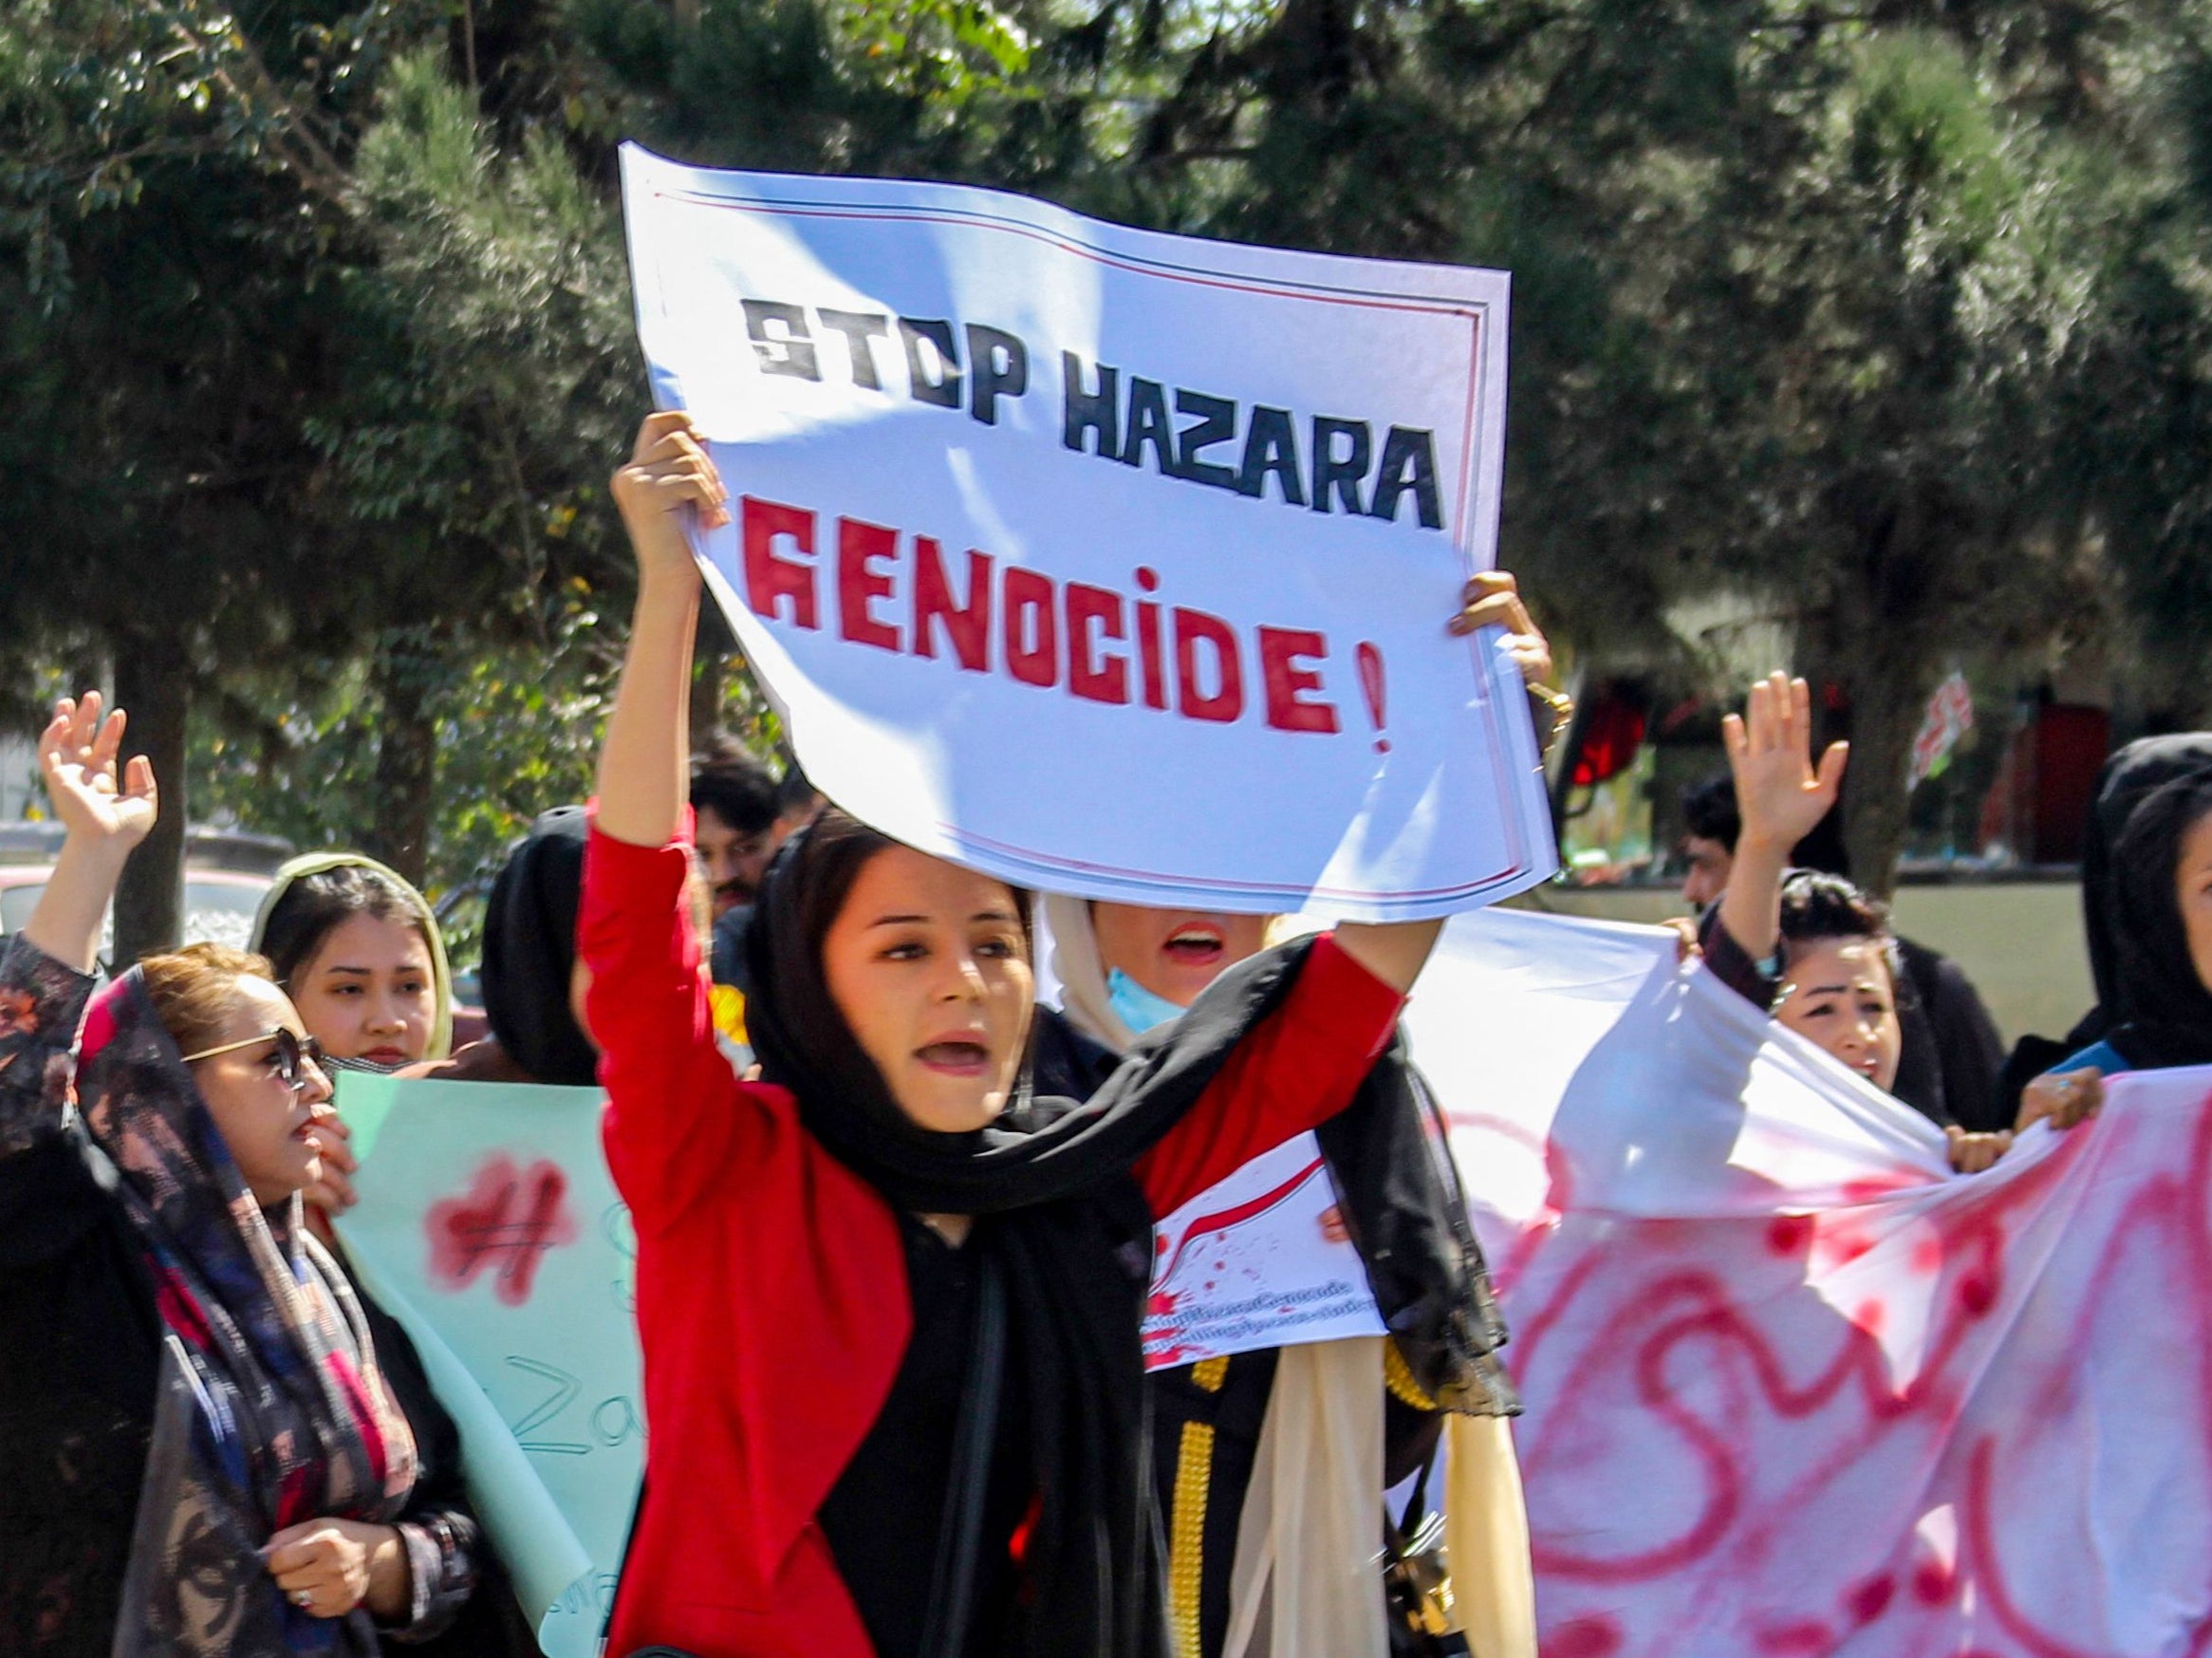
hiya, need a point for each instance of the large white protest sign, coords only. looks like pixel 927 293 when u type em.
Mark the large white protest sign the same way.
pixel 1113 563
pixel 489 1226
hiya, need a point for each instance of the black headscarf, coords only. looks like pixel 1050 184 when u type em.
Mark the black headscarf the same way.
pixel 529 951
pixel 2129 777
pixel 2161 1009
pixel 1050 1187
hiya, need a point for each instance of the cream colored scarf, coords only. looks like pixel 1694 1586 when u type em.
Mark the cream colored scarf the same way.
pixel 1313 1508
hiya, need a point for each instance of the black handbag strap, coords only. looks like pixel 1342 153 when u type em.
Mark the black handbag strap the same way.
pixel 952 1595
pixel 1415 1505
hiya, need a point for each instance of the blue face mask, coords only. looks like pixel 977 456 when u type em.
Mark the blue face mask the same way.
pixel 1138 1007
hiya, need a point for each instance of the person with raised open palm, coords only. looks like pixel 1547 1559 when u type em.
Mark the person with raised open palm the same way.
pixel 1810 948
pixel 1780 794
pixel 107 814
pixel 203 1452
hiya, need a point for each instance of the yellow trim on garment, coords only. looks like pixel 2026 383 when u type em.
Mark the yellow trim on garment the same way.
pixel 728 1005
pixel 1397 1377
pixel 1186 1548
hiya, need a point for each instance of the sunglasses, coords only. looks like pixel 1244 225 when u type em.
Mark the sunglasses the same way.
pixel 290 1057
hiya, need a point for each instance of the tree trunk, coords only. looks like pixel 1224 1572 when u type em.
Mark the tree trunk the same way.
pixel 404 676
pixel 153 681
pixel 1888 697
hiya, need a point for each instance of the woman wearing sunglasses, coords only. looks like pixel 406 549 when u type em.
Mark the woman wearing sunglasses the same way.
pixel 200 1452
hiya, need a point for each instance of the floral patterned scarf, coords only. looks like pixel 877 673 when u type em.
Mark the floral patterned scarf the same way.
pixel 272 1409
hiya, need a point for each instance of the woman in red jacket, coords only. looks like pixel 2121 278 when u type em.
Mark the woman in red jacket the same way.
pixel 889 1303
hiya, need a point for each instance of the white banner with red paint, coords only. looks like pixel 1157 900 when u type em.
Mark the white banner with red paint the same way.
pixel 1113 563
pixel 1794 1388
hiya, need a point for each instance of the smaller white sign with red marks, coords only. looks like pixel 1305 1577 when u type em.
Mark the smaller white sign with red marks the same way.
pixel 1260 1261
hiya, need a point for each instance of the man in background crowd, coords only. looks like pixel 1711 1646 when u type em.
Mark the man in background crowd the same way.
pixel 745 813
pixel 734 798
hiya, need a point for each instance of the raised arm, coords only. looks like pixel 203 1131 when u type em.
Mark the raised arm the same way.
pixel 642 770
pixel 1394 952
pixel 1781 796
pixel 46 1195
pixel 1293 1071
pixel 106 815
pixel 675 1118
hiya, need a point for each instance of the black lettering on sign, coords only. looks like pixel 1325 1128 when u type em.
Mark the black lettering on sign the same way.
pixel 932 375
pixel 780 339
pixel 1340 474
pixel 998 366
pixel 1148 424
pixel 1409 464
pixel 1217 424
pixel 1271 450
pixel 1097 413
pixel 859 328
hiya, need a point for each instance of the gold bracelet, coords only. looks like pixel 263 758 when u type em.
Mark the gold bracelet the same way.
pixel 1559 705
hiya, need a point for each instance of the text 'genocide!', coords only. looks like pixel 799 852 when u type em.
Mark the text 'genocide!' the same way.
pixel 1338 468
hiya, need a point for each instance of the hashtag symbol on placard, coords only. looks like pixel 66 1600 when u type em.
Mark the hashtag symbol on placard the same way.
pixel 504 1222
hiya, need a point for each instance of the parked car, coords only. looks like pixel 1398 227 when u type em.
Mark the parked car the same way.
pixel 225 874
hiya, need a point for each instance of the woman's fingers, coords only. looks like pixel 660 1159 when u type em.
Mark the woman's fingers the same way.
pixel 1829 779
pixel 1975 1153
pixel 657 427
pixel 139 780
pixel 2065 1098
pixel 299 1549
pixel 1498 611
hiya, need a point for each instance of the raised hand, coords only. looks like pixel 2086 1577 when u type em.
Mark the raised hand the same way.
pixel 668 470
pixel 77 755
pixel 1780 794
pixel 105 818
pixel 643 770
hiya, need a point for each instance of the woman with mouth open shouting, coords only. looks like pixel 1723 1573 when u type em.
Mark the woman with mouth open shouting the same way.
pixel 889 1301
pixel 1221 1424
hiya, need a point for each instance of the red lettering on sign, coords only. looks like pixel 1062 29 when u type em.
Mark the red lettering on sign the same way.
pixel 1194 628
pixel 859 584
pixel 770 578
pixel 967 627
pixel 1033 645
pixel 1281 651
pixel 1099 679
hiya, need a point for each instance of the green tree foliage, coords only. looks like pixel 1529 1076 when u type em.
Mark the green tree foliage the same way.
pixel 1889 316
pixel 1805 297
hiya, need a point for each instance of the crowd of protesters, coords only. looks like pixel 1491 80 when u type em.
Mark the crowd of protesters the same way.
pixel 894 1212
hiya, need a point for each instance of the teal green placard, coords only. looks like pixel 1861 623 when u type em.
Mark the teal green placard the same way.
pixel 489 1226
